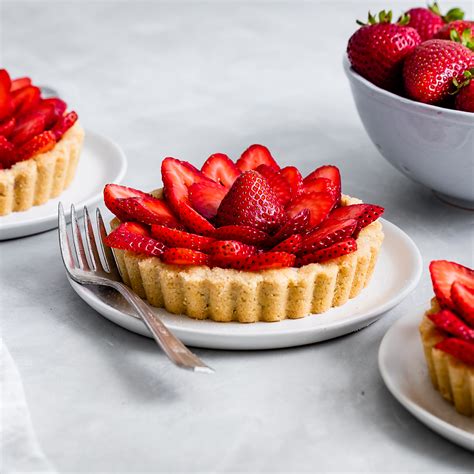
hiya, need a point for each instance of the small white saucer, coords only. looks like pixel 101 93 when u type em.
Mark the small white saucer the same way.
pixel 102 161
pixel 397 273
pixel 403 368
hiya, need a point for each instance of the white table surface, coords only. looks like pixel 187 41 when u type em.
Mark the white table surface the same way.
pixel 189 79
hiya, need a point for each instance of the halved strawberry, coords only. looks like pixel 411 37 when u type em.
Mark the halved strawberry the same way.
pixel 290 245
pixel 224 249
pixel 6 102
pixel 19 83
pixel 5 80
pixel 254 156
pixel 297 224
pixel 137 228
pixel 148 210
pixel 6 152
pixel 181 256
pixel 251 201
pixel 265 261
pixel 293 178
pixel 7 126
pixel 179 238
pixel 277 182
pixel 221 169
pixel 449 322
pixel 64 124
pixel 365 214
pixel 242 233
pixel 463 300
pixel 333 251
pixel 319 205
pixel 58 105
pixel 327 171
pixel 25 99
pixel 328 234
pixel 458 348
pixel 27 127
pixel 132 237
pixel 41 143
pixel 206 197
pixel 444 274
pixel 319 185
pixel 114 192
pixel 194 221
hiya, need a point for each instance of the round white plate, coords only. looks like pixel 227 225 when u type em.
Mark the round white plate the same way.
pixel 397 273
pixel 403 368
pixel 102 161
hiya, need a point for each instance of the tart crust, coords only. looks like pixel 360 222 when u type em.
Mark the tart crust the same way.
pixel 42 177
pixel 453 378
pixel 227 295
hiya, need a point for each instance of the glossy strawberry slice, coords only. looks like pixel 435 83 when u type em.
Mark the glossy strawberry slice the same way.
pixel 297 224
pixel 41 143
pixel 64 124
pixel 25 99
pixel 27 128
pixel 225 249
pixel 333 251
pixel 265 261
pixel 251 201
pixel 206 197
pixel 221 169
pixel 6 102
pixel 194 221
pixel 365 214
pixel 320 185
pixel 179 238
pixel 463 300
pixel 458 348
pixel 328 171
pixel 6 152
pixel 181 256
pixel 148 210
pixel 254 156
pixel 277 182
pixel 293 178
pixel 290 245
pixel 444 274
pixel 319 205
pixel 242 233
pixel 132 237
pixel 114 192
pixel 58 105
pixel 7 126
pixel 20 83
pixel 449 322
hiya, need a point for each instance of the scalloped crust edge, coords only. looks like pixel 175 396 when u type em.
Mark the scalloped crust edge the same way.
pixel 451 377
pixel 227 295
pixel 44 176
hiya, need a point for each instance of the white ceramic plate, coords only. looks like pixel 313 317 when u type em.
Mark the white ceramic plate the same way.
pixel 102 161
pixel 397 273
pixel 404 371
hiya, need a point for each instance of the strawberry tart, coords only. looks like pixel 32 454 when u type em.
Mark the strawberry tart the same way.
pixel 40 144
pixel 447 334
pixel 245 241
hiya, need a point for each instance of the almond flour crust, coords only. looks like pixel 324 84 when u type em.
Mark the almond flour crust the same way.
pixel 42 177
pixel 451 377
pixel 227 295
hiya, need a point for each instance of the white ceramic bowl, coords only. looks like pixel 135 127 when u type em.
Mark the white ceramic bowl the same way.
pixel 429 144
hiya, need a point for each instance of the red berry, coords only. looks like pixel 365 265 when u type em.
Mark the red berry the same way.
pixel 450 323
pixel 425 21
pixel 277 182
pixel 458 348
pixel 463 301
pixel 221 169
pixel 64 124
pixel 206 197
pixel 333 251
pixel 365 214
pixel 41 143
pixel 458 25
pixel 319 205
pixel 242 233
pixel 293 178
pixel 254 156
pixel 179 238
pixel 180 256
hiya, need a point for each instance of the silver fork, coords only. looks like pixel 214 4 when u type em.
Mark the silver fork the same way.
pixel 90 261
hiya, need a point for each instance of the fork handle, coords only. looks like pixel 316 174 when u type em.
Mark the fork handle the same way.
pixel 176 351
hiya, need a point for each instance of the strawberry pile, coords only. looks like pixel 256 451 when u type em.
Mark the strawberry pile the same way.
pixel 249 215
pixel 29 124
pixel 453 285
pixel 424 56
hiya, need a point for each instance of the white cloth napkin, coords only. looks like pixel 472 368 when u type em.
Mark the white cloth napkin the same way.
pixel 19 448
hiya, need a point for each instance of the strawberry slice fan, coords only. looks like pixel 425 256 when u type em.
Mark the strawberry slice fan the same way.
pixel 244 241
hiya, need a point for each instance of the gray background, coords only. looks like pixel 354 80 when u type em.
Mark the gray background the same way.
pixel 189 79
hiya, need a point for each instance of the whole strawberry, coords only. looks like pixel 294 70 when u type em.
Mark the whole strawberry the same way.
pixel 429 70
pixel 428 21
pixel 458 25
pixel 377 49
pixel 465 92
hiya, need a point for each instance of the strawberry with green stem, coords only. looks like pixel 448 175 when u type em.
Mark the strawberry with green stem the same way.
pixel 464 92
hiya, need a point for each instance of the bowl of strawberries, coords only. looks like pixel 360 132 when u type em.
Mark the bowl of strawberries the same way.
pixel 413 85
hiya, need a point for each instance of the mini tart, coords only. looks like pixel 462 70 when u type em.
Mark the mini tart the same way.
pixel 42 177
pixel 453 378
pixel 227 295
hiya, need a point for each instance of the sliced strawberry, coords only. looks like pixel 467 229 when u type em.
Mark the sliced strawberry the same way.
pixel 137 228
pixel 20 83
pixel 254 156
pixel 319 205
pixel 320 185
pixel 328 234
pixel 251 201
pixel 5 80
pixel 463 299
pixel 449 322
pixel 114 192
pixel 7 126
pixel 444 274
pixel 148 210
pixel 458 348
pixel 64 124
pixel 6 102
pixel 194 221
pixel 293 178
pixel 224 249
pixel 328 171
pixel 336 250
pixel 128 236
pixel 297 224
pixel 221 169
pixel 277 182
pixel 7 150
pixel 41 143
pixel 265 261
pixel 58 105
pixel 290 245
pixel 43 109
pixel 364 213
pixel 28 127
pixel 179 238
pixel 242 233
pixel 26 99
pixel 206 197
pixel 180 256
